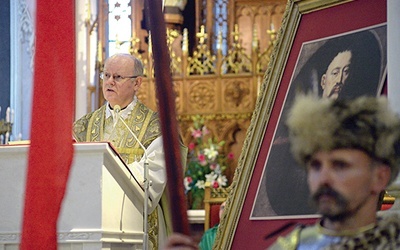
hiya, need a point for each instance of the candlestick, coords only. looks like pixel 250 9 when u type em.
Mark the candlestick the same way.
pixel 8 114
pixel 7 138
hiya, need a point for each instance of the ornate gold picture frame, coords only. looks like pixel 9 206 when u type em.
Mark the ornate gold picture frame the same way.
pixel 304 20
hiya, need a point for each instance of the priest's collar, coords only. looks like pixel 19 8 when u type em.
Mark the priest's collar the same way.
pixel 124 111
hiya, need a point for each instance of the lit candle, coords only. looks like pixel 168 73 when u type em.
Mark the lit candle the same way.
pixel 89 11
pixel 219 40
pixel 8 114
pixel 12 116
pixel 185 40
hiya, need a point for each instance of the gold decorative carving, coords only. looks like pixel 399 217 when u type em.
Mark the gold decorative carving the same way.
pixel 173 38
pixel 220 192
pixel 222 89
pixel 202 96
pixel 220 84
pixel 237 93
pixel 202 62
pixel 237 60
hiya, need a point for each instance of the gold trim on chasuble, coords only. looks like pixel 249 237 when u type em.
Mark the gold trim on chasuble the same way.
pixel 143 122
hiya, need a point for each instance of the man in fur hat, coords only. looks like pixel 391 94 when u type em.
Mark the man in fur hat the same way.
pixel 351 151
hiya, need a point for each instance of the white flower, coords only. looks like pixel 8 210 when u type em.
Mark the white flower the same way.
pixel 186 184
pixel 217 169
pixel 200 184
pixel 211 152
pixel 222 180
pixel 211 177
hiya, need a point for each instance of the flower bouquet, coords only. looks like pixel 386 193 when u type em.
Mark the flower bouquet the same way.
pixel 206 163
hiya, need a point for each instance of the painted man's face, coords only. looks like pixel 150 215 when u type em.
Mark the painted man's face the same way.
pixel 336 75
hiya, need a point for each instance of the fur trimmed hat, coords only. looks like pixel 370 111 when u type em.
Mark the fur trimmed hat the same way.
pixel 365 123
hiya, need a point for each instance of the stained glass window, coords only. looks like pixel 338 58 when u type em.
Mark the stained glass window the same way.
pixel 119 26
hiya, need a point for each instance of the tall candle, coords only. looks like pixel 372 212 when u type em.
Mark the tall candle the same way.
pixel 12 116
pixel 8 114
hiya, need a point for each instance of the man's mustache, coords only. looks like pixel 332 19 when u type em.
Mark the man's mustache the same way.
pixel 326 190
pixel 338 86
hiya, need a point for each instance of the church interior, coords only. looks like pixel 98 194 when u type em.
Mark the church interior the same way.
pixel 220 51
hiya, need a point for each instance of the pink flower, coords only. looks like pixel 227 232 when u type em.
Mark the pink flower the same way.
pixel 189 179
pixel 230 156
pixel 213 166
pixel 215 184
pixel 196 133
pixel 201 157
pixel 191 146
pixel 205 131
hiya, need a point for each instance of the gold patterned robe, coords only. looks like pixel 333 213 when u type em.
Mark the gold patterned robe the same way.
pixel 103 125
pixel 385 234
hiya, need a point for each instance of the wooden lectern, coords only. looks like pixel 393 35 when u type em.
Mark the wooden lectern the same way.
pixel 102 208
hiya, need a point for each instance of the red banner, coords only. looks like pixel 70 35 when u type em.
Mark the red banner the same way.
pixel 51 149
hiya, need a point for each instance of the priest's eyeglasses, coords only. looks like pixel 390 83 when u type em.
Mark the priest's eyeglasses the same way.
pixel 118 78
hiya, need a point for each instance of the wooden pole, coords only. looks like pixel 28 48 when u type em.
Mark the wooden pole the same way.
pixel 169 124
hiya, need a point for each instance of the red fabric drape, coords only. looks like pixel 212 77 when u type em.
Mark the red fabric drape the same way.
pixel 51 149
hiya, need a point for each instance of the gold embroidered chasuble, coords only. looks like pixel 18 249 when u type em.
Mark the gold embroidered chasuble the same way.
pixel 143 122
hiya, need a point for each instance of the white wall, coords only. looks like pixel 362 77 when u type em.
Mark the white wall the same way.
pixel 393 16
pixel 22 13
pixel 86 49
pixel 22 33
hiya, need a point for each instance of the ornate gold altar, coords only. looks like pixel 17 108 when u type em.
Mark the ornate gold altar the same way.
pixel 219 78
pixel 223 89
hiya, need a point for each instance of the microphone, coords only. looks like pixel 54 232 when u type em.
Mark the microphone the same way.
pixel 146 182
pixel 117 110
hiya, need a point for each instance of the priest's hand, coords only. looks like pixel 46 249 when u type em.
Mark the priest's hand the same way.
pixel 180 242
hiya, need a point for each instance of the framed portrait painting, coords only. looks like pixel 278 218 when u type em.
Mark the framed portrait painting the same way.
pixel 343 66
pixel 323 49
